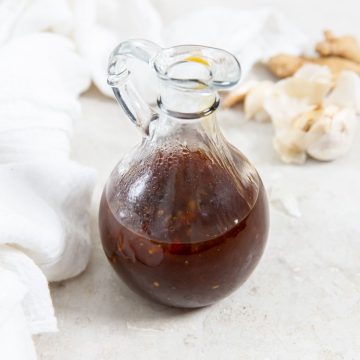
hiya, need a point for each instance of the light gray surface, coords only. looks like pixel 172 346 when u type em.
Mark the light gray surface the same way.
pixel 302 302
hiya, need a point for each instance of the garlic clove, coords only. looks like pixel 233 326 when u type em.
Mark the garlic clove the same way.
pixel 284 199
pixel 347 91
pixel 254 101
pixel 311 83
pixel 314 73
pixel 238 95
pixel 282 108
pixel 289 144
pixel 332 135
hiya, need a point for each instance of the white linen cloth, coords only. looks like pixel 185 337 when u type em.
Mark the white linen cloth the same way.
pixel 49 52
pixel 44 196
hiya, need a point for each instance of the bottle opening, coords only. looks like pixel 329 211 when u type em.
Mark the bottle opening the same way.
pixel 197 68
pixel 194 74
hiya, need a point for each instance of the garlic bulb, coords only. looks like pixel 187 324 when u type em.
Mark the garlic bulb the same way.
pixel 324 133
pixel 309 123
pixel 310 113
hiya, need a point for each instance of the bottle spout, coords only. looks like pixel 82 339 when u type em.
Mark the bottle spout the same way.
pixel 184 71
pixel 197 68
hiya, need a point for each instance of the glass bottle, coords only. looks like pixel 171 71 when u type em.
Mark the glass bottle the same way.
pixel 184 217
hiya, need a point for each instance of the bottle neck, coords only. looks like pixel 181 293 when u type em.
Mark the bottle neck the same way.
pixel 193 133
pixel 187 104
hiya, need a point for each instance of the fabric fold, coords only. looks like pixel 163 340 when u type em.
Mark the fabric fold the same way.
pixel 45 196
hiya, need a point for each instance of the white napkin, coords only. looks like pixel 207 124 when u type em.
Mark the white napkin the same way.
pixel 15 342
pixel 44 195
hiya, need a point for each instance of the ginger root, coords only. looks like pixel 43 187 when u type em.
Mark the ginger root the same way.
pixel 345 47
pixel 238 96
pixel 337 53
pixel 286 65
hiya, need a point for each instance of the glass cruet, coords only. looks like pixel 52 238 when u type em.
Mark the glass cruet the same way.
pixel 183 217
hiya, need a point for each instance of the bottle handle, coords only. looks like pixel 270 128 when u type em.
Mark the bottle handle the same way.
pixel 135 107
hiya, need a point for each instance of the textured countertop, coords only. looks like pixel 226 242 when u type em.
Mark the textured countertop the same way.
pixel 302 301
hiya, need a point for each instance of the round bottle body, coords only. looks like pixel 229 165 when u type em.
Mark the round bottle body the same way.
pixel 189 238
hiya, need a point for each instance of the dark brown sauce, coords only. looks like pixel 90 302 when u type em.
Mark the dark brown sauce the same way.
pixel 188 237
